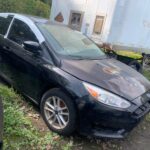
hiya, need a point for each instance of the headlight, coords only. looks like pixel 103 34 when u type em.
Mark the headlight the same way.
pixel 106 97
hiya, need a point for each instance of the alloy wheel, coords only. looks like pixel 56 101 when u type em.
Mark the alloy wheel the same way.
pixel 56 112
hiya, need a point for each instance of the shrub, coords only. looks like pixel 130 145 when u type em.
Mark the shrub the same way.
pixel 33 7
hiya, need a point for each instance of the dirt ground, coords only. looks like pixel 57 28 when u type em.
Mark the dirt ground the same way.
pixel 138 139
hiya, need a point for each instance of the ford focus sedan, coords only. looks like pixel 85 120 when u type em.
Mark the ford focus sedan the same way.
pixel 76 86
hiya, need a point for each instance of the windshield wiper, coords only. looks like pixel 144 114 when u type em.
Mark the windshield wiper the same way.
pixel 87 58
pixel 78 57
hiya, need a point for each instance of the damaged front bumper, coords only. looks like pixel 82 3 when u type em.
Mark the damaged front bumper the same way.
pixel 101 121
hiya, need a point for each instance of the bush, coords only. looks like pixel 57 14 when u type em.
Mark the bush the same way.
pixel 147 74
pixel 33 7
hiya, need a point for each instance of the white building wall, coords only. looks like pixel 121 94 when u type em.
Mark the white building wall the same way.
pixel 91 8
pixel 65 6
pixel 127 23
pixel 130 29
pixel 106 8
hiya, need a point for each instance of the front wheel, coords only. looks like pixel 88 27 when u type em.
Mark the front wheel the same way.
pixel 58 112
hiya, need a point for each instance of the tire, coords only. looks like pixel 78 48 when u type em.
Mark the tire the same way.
pixel 136 65
pixel 65 100
pixel 146 62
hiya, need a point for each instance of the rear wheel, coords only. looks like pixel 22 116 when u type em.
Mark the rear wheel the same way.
pixel 59 112
pixel 146 62
pixel 136 65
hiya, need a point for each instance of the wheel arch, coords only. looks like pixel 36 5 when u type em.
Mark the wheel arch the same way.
pixel 56 86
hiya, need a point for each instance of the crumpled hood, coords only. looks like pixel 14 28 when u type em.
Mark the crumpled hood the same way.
pixel 109 74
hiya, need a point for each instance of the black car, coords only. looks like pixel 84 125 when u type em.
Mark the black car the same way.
pixel 77 87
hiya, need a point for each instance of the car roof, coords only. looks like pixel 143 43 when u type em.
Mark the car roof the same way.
pixel 34 19
pixel 30 21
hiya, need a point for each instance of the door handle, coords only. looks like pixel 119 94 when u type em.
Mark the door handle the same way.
pixel 6 47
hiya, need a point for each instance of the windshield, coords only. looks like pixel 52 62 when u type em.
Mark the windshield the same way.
pixel 68 42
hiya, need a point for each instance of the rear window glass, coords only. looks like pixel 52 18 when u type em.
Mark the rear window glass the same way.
pixel 4 24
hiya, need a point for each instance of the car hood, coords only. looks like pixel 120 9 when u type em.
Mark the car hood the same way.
pixel 109 74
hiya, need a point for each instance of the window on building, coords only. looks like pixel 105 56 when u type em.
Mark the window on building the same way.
pixel 75 21
pixel 99 22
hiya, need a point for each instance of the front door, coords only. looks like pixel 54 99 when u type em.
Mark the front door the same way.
pixel 26 67
pixel 5 68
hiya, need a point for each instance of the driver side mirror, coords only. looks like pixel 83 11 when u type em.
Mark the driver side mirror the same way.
pixel 33 47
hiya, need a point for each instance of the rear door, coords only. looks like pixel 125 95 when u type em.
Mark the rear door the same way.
pixel 5 21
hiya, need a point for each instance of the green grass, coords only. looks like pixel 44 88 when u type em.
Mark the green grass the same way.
pixel 31 7
pixel 19 133
pixel 147 74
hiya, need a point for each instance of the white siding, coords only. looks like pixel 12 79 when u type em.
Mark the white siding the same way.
pixel 91 8
pixel 65 6
pixel 131 25
pixel 127 23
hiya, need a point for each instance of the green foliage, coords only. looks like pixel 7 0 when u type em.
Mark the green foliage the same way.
pixel 130 54
pixel 19 132
pixel 47 1
pixel 32 7
pixel 147 74
pixel 68 146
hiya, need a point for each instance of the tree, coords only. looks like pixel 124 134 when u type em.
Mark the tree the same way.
pixel 33 7
pixel 49 2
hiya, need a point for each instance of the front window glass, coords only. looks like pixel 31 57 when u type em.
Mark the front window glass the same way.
pixel 21 32
pixel 68 42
